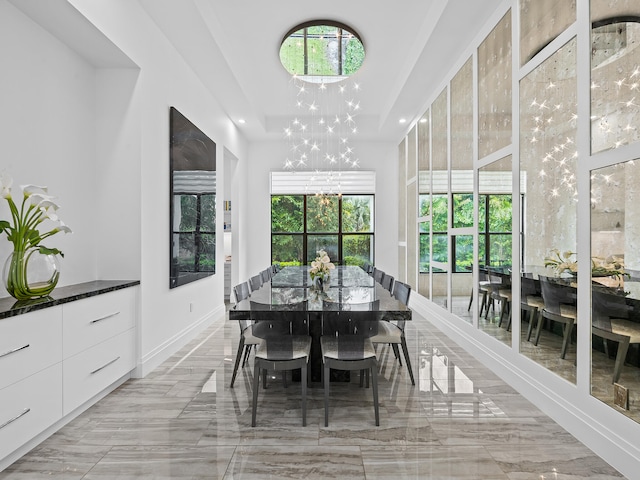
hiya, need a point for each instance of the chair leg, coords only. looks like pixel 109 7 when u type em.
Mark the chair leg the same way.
pixel 303 382
pixel 470 300
pixel 539 328
pixel 374 383
pixel 396 352
pixel 568 328
pixel 256 382
pixel 326 395
pixel 247 352
pixel 407 359
pixel 623 347
pixel 239 355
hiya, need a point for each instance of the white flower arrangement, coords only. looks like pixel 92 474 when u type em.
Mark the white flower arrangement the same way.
pixel 23 230
pixel 321 266
pixel 600 267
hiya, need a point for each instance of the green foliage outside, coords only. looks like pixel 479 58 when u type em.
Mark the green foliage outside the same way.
pixel 354 56
pixel 498 226
pixel 321 60
pixel 322 218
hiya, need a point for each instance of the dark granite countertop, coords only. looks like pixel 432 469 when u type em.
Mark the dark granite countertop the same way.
pixel 10 307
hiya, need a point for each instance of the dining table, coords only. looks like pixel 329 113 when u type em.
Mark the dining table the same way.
pixel 349 288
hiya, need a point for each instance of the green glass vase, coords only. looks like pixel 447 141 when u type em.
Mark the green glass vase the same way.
pixel 30 274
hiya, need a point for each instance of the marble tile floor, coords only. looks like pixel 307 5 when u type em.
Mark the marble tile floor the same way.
pixel 183 421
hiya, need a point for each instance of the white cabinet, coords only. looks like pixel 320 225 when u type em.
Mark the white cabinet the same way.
pixel 91 371
pixel 90 321
pixel 29 407
pixel 98 344
pixel 29 343
pixel 56 359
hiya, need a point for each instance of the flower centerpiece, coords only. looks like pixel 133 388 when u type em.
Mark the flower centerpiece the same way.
pixel 32 269
pixel 600 267
pixel 320 270
pixel 561 262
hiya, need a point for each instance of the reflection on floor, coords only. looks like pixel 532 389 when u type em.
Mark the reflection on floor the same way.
pixel 182 421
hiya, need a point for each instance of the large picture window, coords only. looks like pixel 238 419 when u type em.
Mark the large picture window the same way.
pixel 342 225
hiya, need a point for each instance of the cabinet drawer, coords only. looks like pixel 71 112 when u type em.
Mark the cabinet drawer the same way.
pixel 93 320
pixel 29 343
pixel 29 407
pixel 91 371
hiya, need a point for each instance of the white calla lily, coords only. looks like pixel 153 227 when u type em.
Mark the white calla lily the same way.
pixel 29 190
pixel 5 185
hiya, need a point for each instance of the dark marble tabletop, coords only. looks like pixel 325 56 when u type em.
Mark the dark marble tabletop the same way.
pixel 10 307
pixel 351 289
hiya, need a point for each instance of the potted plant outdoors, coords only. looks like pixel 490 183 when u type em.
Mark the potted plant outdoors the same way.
pixel 32 269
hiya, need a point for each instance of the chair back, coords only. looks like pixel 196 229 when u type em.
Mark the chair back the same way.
pixel 266 275
pixel 555 294
pixel 241 292
pixel 378 275
pixel 287 320
pixel 387 282
pixel 605 306
pixel 352 331
pixel 402 292
pixel 256 282
pixel 527 287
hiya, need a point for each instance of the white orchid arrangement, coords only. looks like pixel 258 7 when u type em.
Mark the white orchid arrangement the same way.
pixel 321 266
pixel 23 229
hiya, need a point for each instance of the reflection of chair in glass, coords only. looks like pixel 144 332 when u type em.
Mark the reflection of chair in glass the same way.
pixel 247 339
pixel 492 288
pixel 387 282
pixel 559 306
pixel 609 321
pixel 285 346
pixel 346 345
pixel 255 282
pixel 393 333
pixel 483 289
pixel 367 267
pixel 531 304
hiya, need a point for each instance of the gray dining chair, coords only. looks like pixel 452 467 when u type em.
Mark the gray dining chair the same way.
pixel 559 306
pixel 247 339
pixel 256 282
pixel 282 347
pixel 387 282
pixel 346 345
pixel 391 332
pixel 610 321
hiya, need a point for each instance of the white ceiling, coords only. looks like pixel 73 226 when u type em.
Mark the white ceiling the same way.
pixel 233 46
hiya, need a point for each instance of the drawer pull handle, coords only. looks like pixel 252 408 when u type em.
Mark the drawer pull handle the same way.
pixel 105 317
pixel 26 410
pixel 14 350
pixel 105 365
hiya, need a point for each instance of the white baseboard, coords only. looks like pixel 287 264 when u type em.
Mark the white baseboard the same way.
pixel 162 352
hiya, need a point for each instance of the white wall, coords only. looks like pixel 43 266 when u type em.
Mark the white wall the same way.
pixel 265 157
pixel 98 136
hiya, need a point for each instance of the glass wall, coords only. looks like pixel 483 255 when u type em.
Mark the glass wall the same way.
pixel 494 89
pixel 563 174
pixel 440 199
pixel 615 257
pixel 494 248
pixel 548 172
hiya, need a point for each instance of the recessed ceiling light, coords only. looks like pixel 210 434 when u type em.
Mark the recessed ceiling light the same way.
pixel 242 121
pixel 403 120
